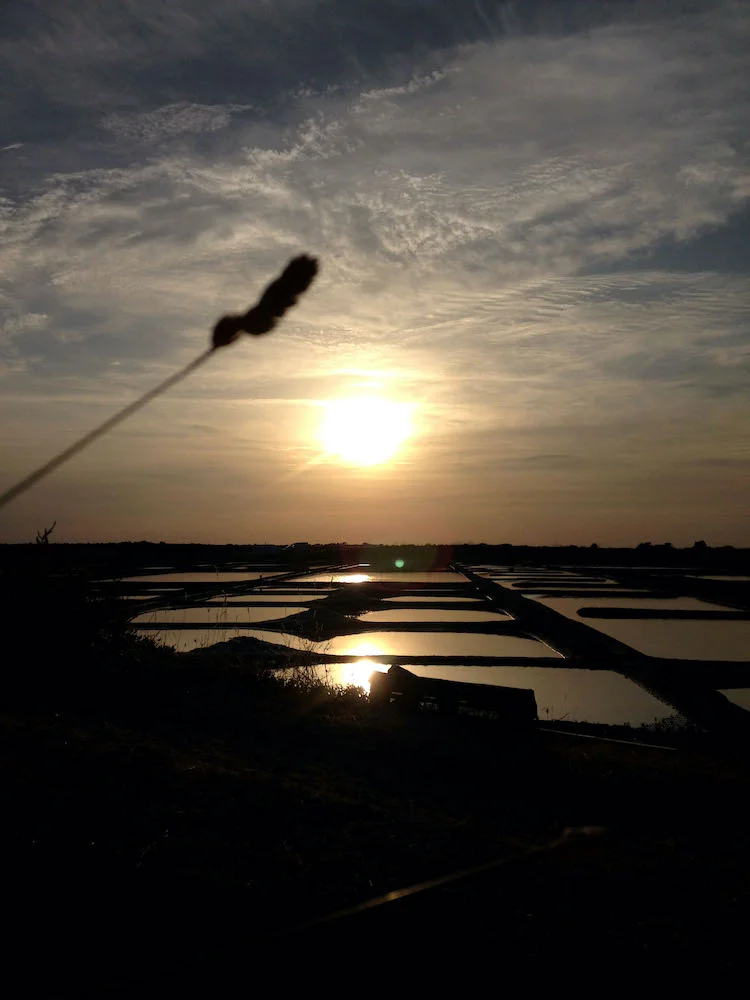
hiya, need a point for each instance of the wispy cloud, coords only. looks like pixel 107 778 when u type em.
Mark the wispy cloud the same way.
pixel 170 121
pixel 493 226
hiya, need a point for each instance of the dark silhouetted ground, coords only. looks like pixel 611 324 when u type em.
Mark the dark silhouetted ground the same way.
pixel 173 827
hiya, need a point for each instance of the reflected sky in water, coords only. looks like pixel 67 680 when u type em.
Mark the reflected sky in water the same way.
pixel 681 639
pixel 689 640
pixel 198 577
pixel 727 579
pixel 740 696
pixel 229 614
pixel 372 643
pixel 418 598
pixel 557 584
pixel 569 606
pixel 570 694
pixel 433 644
pixel 281 599
pixel 333 578
pixel 426 615
pixel 185 640
pixel 364 577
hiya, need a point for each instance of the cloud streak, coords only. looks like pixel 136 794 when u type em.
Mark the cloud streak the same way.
pixel 495 214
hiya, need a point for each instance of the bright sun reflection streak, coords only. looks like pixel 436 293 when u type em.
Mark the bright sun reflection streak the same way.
pixel 359 673
pixel 365 431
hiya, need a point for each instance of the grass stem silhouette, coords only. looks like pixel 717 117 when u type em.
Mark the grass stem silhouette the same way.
pixel 261 318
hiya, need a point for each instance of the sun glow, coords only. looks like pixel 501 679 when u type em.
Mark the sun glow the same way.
pixel 359 673
pixel 365 430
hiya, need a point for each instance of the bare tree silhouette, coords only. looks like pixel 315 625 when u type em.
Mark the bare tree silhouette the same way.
pixel 42 537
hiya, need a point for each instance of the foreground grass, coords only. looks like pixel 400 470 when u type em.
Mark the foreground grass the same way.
pixel 172 816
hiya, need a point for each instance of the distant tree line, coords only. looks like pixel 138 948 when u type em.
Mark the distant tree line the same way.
pixel 121 557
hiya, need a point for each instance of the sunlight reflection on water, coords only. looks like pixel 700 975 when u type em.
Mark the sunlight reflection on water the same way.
pixel 567 694
pixel 439 576
pixel 369 644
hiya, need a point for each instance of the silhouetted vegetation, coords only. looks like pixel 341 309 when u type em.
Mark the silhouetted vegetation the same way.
pixel 200 811
pixel 122 558
pixel 261 318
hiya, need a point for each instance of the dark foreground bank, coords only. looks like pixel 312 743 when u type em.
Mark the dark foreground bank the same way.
pixel 172 825
pixel 175 846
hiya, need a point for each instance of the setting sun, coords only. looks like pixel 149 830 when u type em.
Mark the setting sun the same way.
pixel 359 673
pixel 365 431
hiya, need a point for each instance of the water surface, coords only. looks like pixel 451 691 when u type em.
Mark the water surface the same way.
pixel 199 577
pixel 432 644
pixel 570 606
pixel 281 600
pixel 684 640
pixel 365 577
pixel 567 694
pixel 688 640
pixel 568 584
pixel 740 696
pixel 726 579
pixel 426 615
pixel 230 615
pixel 368 644
pixel 437 597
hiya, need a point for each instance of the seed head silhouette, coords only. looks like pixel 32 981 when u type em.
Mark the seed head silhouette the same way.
pixel 278 297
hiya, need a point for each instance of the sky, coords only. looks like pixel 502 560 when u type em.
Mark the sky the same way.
pixel 533 227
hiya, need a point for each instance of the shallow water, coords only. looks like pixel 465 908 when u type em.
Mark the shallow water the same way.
pixel 739 696
pixel 569 606
pixel 567 694
pixel 577 695
pixel 366 577
pixel 541 575
pixel 369 644
pixel 563 585
pixel 552 578
pixel 436 598
pixel 426 615
pixel 684 640
pixel 488 569
pixel 260 567
pixel 185 640
pixel 433 644
pixel 199 577
pixel 229 615
pixel 724 579
pixel 280 599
